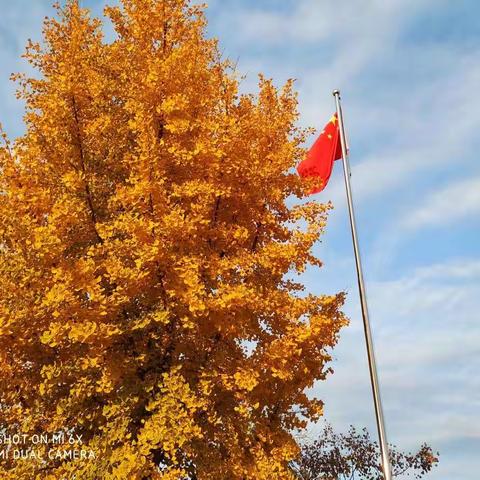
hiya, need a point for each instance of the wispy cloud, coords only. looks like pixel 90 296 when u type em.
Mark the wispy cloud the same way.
pixel 427 361
pixel 446 206
pixel 408 107
pixel 427 131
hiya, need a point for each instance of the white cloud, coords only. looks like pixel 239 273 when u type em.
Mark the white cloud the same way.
pixel 421 141
pixel 447 205
pixel 460 269
pixel 457 203
pixel 427 339
pixel 308 23
pixel 415 125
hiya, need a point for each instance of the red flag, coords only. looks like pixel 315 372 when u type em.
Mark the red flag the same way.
pixel 319 161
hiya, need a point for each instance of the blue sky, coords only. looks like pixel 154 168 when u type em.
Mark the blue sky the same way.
pixel 409 73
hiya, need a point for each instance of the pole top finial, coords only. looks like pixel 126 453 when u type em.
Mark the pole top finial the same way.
pixel 336 92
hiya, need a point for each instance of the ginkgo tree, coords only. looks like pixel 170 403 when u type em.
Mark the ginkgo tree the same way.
pixel 148 253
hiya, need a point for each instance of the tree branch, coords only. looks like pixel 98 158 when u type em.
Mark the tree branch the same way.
pixel 88 192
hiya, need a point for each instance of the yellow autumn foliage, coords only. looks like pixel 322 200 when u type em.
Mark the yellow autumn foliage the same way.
pixel 147 230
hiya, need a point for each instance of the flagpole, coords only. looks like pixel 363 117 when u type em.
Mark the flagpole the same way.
pixel 363 300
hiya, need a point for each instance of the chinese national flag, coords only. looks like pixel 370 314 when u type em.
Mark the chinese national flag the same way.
pixel 320 158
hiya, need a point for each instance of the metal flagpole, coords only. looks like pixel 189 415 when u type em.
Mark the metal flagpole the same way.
pixel 363 300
